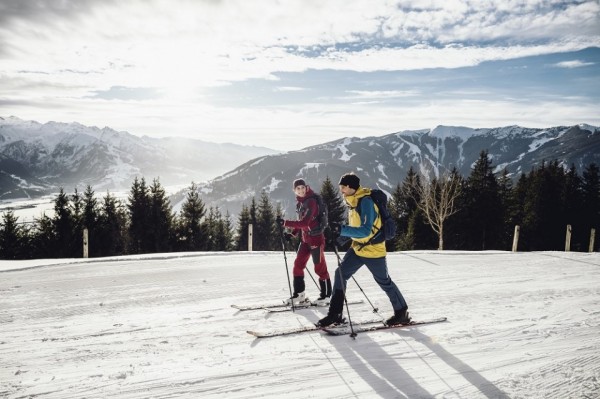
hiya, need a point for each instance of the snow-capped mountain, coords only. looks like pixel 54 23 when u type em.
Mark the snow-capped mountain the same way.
pixel 384 161
pixel 36 158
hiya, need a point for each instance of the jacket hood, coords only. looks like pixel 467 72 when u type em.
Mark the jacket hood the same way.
pixel 352 200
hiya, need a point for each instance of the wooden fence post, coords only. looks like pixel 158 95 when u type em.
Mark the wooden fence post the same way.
pixel 85 243
pixel 516 238
pixel 568 239
pixel 592 239
pixel 250 237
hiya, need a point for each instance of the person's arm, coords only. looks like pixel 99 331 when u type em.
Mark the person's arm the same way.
pixel 303 223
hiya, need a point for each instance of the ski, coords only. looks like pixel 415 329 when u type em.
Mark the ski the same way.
pixel 281 307
pixel 303 329
pixel 344 330
pixel 286 308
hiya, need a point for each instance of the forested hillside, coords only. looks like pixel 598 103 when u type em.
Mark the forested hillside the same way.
pixel 483 215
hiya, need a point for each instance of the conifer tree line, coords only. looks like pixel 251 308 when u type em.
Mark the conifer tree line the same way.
pixel 145 223
pixel 488 206
pixel 449 211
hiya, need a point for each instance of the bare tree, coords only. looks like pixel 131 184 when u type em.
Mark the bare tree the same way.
pixel 437 201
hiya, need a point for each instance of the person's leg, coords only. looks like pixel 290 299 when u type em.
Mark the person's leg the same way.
pixel 318 257
pixel 379 270
pixel 349 265
pixel 302 257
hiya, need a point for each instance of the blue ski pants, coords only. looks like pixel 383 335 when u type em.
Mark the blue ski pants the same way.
pixel 378 268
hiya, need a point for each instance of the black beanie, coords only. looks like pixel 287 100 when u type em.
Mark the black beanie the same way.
pixel 350 180
pixel 299 182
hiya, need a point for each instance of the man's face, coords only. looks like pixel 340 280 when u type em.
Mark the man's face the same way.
pixel 346 190
pixel 300 191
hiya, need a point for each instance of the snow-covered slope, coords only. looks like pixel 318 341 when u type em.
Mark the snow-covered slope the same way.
pixel 520 325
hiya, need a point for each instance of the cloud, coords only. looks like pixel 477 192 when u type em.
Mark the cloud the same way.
pixel 127 93
pixel 113 61
pixel 237 36
pixel 573 64
pixel 289 88
pixel 381 94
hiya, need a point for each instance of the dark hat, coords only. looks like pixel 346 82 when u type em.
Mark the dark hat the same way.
pixel 350 180
pixel 299 182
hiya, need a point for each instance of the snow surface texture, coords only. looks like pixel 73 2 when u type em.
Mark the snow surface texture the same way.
pixel 520 325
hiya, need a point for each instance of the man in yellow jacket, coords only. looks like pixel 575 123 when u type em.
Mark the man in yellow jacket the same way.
pixel 364 221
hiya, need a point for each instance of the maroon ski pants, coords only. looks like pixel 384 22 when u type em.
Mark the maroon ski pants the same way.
pixel 305 252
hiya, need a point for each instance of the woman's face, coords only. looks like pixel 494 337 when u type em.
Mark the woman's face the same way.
pixel 300 191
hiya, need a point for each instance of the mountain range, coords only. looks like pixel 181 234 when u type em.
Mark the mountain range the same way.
pixel 384 161
pixel 38 158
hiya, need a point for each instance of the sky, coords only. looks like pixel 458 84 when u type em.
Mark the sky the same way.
pixel 290 74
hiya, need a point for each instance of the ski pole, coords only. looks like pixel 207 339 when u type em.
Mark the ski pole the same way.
pixel 313 279
pixel 287 272
pixel 375 310
pixel 352 333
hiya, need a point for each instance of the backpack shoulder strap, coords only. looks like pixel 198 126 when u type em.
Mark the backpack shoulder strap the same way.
pixel 313 197
pixel 375 230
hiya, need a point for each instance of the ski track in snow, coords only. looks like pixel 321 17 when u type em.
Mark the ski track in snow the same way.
pixel 520 325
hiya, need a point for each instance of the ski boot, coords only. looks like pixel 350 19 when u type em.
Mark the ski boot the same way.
pixel 400 316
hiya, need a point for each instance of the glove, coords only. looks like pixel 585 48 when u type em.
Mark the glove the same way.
pixel 335 228
pixel 288 237
pixel 279 221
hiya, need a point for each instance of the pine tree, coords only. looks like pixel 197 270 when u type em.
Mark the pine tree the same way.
pixel 222 232
pixel 266 231
pixel 209 225
pixel 112 234
pixel 139 216
pixel 483 206
pixel 510 207
pixel 228 234
pixel 12 237
pixel 77 206
pixel 543 219
pixel 64 226
pixel 242 229
pixel 161 219
pixel 571 198
pixel 590 192
pixel 253 211
pixel 89 220
pixel 519 194
pixel 192 236
pixel 44 238
pixel 90 208
pixel 335 208
pixel 400 210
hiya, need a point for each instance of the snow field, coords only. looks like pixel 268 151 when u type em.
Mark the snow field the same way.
pixel 520 325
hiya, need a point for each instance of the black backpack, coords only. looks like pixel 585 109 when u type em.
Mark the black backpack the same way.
pixel 322 215
pixel 388 225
